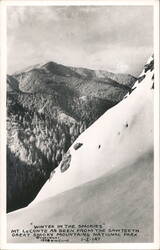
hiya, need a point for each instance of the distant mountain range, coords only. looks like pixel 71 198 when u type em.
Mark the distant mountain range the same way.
pixel 51 77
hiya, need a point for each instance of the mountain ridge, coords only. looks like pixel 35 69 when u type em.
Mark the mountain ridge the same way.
pixel 52 68
pixel 81 70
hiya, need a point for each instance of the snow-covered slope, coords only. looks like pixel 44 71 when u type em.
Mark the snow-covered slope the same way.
pixel 116 140
pixel 123 199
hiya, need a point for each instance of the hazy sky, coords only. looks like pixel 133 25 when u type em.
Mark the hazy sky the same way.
pixel 114 38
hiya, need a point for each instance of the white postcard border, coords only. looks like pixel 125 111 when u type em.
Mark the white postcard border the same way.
pixel 3 70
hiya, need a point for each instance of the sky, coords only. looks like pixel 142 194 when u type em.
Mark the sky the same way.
pixel 113 38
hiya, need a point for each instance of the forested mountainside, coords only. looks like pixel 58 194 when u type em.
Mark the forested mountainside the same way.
pixel 48 107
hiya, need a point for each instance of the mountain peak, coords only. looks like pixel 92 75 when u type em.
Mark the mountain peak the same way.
pixel 49 63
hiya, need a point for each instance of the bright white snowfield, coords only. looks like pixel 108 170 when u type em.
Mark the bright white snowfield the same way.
pixel 110 177
pixel 118 138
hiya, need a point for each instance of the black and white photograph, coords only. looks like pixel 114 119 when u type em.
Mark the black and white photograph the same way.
pixel 80 99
